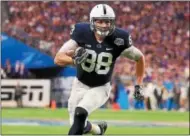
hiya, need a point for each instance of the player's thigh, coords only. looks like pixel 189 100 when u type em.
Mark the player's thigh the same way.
pixel 95 97
pixel 77 93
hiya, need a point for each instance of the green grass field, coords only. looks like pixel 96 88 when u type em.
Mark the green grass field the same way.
pixel 62 114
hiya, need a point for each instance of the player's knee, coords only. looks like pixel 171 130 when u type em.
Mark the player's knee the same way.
pixel 81 113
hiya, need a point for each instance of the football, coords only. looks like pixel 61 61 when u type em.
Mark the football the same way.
pixel 70 53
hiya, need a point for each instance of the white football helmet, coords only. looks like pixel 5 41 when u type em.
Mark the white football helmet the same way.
pixel 102 11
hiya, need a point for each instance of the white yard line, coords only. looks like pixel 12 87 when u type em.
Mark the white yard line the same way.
pixel 43 122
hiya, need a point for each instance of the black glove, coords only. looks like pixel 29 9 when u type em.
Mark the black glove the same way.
pixel 138 94
pixel 80 55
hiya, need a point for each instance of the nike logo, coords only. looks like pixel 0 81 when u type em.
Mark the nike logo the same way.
pixel 108 49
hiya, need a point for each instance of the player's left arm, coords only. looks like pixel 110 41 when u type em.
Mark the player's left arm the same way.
pixel 135 54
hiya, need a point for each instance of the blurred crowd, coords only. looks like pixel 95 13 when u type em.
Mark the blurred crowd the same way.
pixel 159 29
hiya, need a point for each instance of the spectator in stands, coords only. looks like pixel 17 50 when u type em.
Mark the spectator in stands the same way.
pixel 115 91
pixel 129 86
pixel 17 70
pixel 8 69
pixel 3 74
pixel 169 85
pixel 158 93
pixel 18 95
pixel 24 73
pixel 20 71
pixel 177 93
pixel 150 98
pixel 184 88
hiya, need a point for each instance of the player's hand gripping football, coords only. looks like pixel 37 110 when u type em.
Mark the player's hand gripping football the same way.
pixel 138 94
pixel 80 55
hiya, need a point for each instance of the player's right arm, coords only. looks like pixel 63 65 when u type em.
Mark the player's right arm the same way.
pixel 64 55
pixel 70 53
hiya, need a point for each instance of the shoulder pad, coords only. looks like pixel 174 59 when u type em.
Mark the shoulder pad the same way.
pixel 122 38
pixel 78 31
pixel 121 32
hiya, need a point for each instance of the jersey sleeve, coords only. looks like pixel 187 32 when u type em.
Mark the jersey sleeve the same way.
pixel 76 33
pixel 127 39
pixel 123 39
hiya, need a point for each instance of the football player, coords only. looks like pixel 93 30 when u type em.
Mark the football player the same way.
pixel 94 48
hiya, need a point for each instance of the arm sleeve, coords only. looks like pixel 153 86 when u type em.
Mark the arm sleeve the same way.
pixel 132 53
pixel 69 45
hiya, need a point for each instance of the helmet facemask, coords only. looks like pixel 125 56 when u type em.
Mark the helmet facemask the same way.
pixel 101 31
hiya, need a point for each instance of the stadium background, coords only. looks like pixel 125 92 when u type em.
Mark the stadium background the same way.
pixel 32 33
